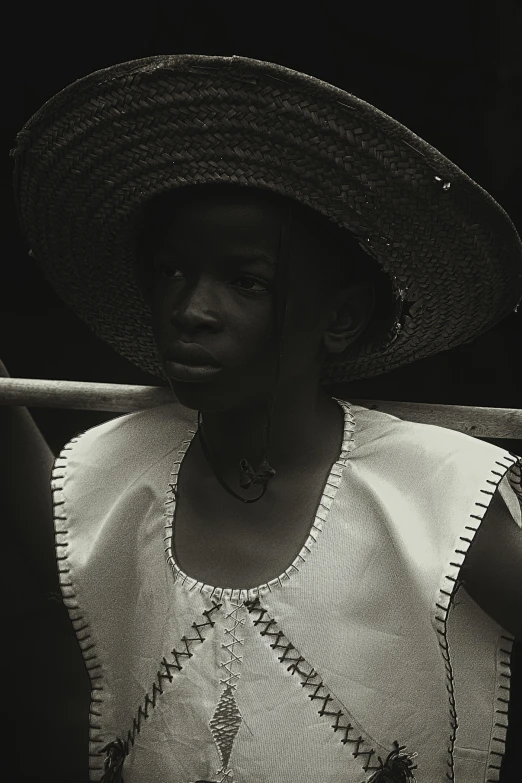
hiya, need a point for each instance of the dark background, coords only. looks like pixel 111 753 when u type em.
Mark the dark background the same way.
pixel 452 72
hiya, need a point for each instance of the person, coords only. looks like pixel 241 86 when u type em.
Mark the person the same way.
pixel 267 582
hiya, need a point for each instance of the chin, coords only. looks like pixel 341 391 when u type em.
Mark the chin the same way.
pixel 201 396
pixel 213 397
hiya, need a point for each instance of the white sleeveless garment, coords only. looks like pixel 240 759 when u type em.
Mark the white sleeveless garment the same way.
pixel 366 654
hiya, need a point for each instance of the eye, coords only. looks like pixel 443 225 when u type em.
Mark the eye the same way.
pixel 255 281
pixel 169 271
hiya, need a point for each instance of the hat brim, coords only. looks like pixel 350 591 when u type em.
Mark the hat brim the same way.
pixel 86 163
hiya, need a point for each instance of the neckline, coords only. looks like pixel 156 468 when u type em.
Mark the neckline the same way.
pixel 328 495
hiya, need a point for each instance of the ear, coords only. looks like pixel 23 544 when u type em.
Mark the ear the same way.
pixel 351 313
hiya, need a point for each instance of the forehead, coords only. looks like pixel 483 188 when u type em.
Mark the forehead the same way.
pixel 219 200
pixel 216 219
pixel 227 209
pixel 230 220
pixel 219 205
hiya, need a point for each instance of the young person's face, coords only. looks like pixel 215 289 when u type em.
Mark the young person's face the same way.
pixel 214 279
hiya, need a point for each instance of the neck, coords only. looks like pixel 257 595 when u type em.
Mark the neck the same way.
pixel 303 424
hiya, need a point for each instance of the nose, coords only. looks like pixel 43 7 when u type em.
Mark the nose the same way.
pixel 195 306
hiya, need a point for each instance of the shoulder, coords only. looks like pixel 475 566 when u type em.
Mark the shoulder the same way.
pixel 453 470
pixel 136 439
pixel 121 463
pixel 380 435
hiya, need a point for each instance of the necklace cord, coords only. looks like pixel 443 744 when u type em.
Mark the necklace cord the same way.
pixel 264 472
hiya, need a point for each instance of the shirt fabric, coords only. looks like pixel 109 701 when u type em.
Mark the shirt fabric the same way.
pixel 366 647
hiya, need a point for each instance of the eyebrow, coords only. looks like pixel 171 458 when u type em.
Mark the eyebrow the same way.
pixel 255 258
pixel 247 257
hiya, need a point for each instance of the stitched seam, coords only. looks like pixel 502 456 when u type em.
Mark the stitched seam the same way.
pixel 231 633
pixel 443 604
pixel 79 622
pixel 331 707
pixel 165 672
pixel 500 725
pixel 226 719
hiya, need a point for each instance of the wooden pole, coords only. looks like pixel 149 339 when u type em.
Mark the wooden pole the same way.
pixel 125 398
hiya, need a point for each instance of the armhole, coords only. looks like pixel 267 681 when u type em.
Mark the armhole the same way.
pixel 510 487
pixel 505 471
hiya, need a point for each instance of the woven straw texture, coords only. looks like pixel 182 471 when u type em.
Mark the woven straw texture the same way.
pixel 94 153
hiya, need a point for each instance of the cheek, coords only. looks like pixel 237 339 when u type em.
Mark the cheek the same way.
pixel 307 314
pixel 302 336
pixel 256 341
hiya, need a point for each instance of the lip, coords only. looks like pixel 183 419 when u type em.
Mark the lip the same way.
pixel 190 354
pixel 190 372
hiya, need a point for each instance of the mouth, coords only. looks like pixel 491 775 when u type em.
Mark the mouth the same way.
pixel 190 372
pixel 190 355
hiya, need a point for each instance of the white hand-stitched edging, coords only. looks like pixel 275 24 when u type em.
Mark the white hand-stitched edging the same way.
pixel 78 619
pixel 331 486
pixel 443 603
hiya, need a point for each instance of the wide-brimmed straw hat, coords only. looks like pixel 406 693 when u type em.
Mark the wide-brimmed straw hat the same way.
pixel 90 158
